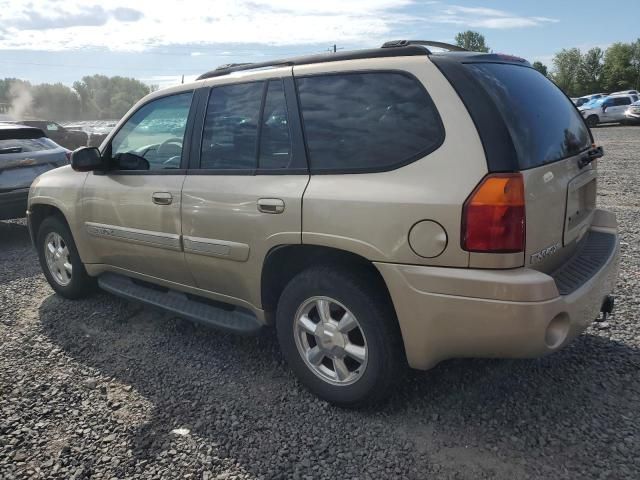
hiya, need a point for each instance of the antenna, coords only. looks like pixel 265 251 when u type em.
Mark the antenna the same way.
pixel 334 48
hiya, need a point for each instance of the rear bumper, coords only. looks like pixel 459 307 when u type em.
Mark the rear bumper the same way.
pixel 453 313
pixel 13 204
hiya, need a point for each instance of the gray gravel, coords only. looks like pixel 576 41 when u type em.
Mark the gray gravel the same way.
pixel 102 388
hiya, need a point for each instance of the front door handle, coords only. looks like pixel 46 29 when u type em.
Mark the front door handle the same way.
pixel 271 205
pixel 162 198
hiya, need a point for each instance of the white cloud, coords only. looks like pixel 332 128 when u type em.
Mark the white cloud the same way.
pixel 138 25
pixel 275 22
pixel 480 17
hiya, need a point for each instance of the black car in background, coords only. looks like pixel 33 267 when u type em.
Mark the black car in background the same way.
pixel 65 137
pixel 25 153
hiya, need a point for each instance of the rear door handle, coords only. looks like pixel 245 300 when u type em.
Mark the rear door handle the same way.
pixel 162 198
pixel 271 205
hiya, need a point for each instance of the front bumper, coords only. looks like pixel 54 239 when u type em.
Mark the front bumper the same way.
pixel 454 313
pixel 13 204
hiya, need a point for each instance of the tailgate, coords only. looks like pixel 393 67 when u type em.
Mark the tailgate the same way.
pixel 560 202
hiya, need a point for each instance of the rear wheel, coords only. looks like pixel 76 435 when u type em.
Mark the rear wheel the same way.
pixel 60 261
pixel 592 121
pixel 339 334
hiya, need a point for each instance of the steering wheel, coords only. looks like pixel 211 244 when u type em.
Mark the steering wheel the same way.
pixel 169 148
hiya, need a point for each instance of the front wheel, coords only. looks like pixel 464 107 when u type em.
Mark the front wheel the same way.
pixel 60 261
pixel 339 334
pixel 592 121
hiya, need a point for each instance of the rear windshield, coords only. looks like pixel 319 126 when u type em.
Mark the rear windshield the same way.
pixel 22 145
pixel 543 123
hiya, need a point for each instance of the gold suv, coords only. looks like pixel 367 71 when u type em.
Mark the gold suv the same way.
pixel 378 207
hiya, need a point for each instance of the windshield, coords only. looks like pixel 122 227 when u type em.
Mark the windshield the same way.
pixel 594 103
pixel 543 123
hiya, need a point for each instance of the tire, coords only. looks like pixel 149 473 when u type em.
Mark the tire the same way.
pixel 74 282
pixel 592 121
pixel 347 292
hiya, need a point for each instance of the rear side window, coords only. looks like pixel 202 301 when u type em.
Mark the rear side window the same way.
pixel 25 145
pixel 367 121
pixel 543 123
pixel 231 127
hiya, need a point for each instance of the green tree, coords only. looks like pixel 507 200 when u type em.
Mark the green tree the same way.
pixel 635 64
pixel 55 101
pixel 103 97
pixel 618 71
pixel 566 64
pixel 472 41
pixel 589 75
pixel 541 67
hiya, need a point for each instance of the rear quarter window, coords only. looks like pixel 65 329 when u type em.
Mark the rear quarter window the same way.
pixel 373 121
pixel 543 123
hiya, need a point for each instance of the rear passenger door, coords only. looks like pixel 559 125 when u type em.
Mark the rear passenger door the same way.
pixel 243 192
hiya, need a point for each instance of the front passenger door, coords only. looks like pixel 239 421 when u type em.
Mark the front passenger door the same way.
pixel 133 211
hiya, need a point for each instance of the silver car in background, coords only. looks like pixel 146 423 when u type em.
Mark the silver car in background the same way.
pixel 611 109
pixel 25 153
pixel 632 114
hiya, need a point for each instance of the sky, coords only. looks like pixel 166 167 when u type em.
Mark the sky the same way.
pixel 158 41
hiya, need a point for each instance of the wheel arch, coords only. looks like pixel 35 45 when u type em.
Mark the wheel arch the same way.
pixel 284 262
pixel 38 211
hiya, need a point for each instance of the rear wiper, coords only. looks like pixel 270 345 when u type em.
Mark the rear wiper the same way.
pixel 590 156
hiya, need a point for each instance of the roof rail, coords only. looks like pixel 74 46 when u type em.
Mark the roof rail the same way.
pixel 427 43
pixel 401 50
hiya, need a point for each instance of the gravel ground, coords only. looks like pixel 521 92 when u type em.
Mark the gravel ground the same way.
pixel 102 388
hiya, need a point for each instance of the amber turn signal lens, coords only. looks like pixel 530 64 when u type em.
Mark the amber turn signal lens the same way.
pixel 493 217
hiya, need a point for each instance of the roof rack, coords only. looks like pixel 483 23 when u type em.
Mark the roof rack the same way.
pixel 409 50
pixel 427 43
pixel 396 48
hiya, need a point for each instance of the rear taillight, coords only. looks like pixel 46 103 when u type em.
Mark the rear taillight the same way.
pixel 493 217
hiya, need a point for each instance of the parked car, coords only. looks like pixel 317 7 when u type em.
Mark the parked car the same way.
pixel 632 113
pixel 67 138
pixel 607 110
pixel 588 98
pixel 378 207
pixel 626 92
pixel 25 153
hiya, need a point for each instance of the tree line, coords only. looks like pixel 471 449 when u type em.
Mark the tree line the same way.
pixel 581 73
pixel 94 97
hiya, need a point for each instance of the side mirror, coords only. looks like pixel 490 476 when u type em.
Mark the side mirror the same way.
pixel 86 159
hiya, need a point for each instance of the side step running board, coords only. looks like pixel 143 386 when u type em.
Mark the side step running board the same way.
pixel 235 320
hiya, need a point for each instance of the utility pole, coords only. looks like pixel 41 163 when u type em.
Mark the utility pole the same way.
pixel 334 48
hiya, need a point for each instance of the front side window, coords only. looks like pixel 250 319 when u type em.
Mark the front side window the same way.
pixel 154 135
pixel 622 101
pixel 367 121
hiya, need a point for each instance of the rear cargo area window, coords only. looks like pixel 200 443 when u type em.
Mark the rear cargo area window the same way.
pixel 24 145
pixel 367 121
pixel 543 123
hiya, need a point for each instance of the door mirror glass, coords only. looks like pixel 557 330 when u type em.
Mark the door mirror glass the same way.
pixel 87 159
